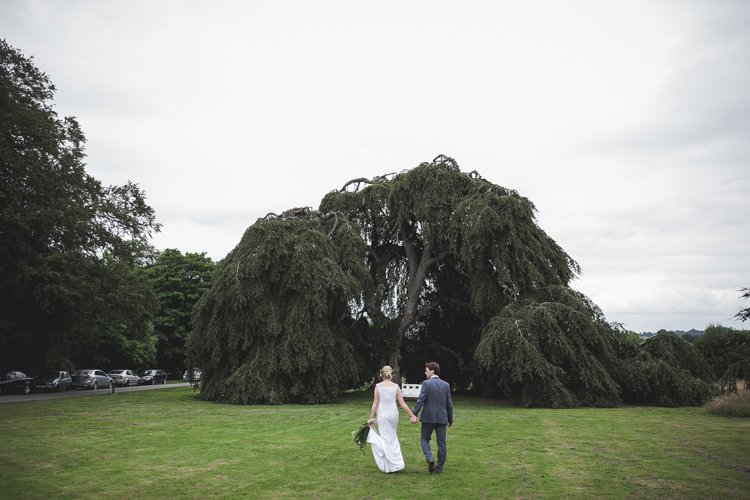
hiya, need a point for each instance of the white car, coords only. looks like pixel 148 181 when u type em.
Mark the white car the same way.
pixel 124 377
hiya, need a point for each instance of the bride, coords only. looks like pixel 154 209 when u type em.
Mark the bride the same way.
pixel 385 446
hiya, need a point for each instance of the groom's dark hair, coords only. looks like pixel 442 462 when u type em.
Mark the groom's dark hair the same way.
pixel 433 366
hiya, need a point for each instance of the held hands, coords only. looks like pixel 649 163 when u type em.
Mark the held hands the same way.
pixel 413 419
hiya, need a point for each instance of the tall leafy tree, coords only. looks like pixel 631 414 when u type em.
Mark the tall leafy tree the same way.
pixel 430 263
pixel 274 325
pixel 422 221
pixel 178 280
pixel 727 351
pixel 68 245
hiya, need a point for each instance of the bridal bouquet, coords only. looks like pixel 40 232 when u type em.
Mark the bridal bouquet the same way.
pixel 360 436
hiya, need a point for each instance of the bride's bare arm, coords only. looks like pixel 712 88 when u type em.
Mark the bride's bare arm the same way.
pixel 403 404
pixel 375 403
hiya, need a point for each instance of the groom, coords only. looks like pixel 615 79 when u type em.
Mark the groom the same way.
pixel 435 398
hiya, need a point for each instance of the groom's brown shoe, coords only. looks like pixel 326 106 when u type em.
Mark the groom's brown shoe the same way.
pixel 431 466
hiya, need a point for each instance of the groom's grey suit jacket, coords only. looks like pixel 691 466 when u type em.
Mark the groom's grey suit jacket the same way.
pixel 435 397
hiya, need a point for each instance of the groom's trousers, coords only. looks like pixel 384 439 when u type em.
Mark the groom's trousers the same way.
pixel 440 435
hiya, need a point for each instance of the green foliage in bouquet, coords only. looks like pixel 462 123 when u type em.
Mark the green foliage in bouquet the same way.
pixel 359 436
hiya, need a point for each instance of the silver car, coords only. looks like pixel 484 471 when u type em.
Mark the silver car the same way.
pixel 124 377
pixel 91 379
pixel 52 381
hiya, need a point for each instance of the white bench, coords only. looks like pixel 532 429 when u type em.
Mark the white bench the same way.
pixel 410 390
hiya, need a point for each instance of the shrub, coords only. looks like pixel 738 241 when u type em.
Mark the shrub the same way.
pixel 731 404
pixel 665 370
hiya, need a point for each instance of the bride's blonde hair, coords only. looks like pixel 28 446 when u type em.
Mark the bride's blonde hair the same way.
pixel 386 372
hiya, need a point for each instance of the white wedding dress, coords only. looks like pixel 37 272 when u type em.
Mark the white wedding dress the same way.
pixel 385 446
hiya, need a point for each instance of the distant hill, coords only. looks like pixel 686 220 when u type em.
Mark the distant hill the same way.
pixel 691 334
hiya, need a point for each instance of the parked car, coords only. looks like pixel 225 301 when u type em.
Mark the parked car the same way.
pixel 151 377
pixel 124 377
pixel 52 381
pixel 193 375
pixel 14 381
pixel 91 379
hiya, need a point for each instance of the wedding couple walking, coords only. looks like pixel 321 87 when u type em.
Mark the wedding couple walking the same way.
pixel 437 412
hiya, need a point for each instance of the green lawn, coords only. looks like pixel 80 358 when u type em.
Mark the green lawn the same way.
pixel 165 443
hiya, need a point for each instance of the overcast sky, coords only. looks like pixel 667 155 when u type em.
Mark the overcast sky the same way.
pixel 626 123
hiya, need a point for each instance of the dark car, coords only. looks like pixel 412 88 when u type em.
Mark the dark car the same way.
pixel 52 381
pixel 14 381
pixel 151 377
pixel 91 379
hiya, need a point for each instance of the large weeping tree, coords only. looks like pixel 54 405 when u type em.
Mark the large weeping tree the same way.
pixel 424 223
pixel 429 263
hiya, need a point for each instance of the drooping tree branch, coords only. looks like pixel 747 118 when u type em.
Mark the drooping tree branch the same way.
pixel 297 212
pixel 364 180
pixel 442 159
pixel 435 259
pixel 292 213
pixel 295 287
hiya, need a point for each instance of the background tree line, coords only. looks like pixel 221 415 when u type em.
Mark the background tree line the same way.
pixel 80 284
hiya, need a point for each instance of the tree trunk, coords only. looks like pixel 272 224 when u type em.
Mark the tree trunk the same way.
pixel 394 361
pixel 418 267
